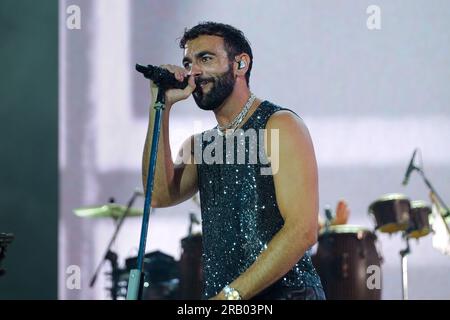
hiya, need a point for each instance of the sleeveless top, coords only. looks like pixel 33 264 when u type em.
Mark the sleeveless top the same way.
pixel 239 211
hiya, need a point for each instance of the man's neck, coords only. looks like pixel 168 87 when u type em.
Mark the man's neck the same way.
pixel 232 105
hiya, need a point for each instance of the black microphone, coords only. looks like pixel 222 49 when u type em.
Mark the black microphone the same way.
pixel 410 169
pixel 163 78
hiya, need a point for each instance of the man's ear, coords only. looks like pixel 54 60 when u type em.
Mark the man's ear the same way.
pixel 241 65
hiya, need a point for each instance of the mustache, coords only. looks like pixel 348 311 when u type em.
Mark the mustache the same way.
pixel 199 80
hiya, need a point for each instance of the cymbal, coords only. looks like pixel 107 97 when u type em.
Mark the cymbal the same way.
pixel 112 210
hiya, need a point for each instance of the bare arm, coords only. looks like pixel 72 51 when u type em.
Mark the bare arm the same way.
pixel 296 187
pixel 173 183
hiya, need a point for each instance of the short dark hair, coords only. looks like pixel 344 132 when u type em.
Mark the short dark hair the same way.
pixel 234 40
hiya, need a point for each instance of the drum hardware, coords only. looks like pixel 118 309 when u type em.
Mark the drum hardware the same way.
pixel 396 213
pixel 115 274
pixel 404 266
pixel 118 213
pixel 419 169
pixel 436 198
pixel 166 278
pixel 419 225
pixel 161 276
pixel 5 240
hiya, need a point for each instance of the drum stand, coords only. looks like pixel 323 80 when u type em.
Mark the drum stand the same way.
pixel 403 254
pixel 434 192
pixel 115 273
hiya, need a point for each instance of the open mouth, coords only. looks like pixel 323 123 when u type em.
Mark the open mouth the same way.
pixel 203 83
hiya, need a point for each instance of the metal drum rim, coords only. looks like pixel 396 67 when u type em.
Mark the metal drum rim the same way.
pixel 345 228
pixel 416 204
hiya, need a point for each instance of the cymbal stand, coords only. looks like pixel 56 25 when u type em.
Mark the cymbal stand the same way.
pixel 109 255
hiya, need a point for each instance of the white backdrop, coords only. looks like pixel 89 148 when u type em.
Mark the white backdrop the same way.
pixel 369 97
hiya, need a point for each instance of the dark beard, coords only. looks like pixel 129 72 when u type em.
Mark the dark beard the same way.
pixel 222 87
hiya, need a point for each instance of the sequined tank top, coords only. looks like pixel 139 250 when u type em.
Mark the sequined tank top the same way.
pixel 240 214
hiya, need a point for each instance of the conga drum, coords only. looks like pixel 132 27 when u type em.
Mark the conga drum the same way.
pixel 391 212
pixel 419 224
pixel 345 258
pixel 191 279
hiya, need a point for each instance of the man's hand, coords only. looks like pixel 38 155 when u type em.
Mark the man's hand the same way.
pixel 175 95
pixel 342 213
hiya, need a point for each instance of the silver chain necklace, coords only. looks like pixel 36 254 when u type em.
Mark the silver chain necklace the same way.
pixel 238 119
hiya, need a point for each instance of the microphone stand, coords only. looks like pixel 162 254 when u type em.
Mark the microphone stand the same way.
pixel 136 280
pixel 110 255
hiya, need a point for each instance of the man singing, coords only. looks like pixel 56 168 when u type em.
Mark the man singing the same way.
pixel 259 218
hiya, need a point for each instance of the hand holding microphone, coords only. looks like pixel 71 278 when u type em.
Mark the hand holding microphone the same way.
pixel 173 79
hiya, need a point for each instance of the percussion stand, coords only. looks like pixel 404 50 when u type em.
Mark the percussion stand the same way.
pixel 431 188
pixel 136 281
pixel 403 254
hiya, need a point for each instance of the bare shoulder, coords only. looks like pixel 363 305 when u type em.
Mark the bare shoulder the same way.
pixel 289 124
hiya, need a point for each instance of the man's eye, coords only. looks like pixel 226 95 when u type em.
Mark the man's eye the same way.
pixel 206 59
pixel 187 66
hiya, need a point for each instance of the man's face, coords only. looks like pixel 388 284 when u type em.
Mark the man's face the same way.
pixel 206 58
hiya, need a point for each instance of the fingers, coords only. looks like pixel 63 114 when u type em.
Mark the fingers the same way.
pixel 342 212
pixel 179 72
pixel 341 206
pixel 189 88
pixel 191 82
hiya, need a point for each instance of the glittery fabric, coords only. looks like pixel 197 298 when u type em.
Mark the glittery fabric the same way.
pixel 240 214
